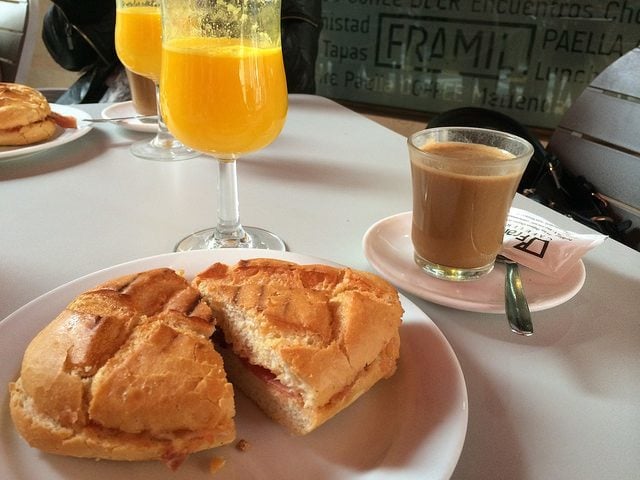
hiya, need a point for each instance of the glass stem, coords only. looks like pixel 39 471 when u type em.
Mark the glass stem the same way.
pixel 229 231
pixel 163 138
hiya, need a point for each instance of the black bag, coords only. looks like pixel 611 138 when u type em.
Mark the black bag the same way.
pixel 79 36
pixel 545 180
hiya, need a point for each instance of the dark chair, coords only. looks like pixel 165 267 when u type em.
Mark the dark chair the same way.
pixel 599 137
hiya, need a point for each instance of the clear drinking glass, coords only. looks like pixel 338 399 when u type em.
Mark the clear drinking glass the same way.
pixel 223 92
pixel 464 180
pixel 138 38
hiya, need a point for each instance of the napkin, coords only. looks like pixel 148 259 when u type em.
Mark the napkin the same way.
pixel 540 245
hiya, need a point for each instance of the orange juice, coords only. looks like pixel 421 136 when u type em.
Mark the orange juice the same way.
pixel 221 97
pixel 139 40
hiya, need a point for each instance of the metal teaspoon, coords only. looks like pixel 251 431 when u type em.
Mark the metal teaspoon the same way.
pixel 516 305
pixel 142 118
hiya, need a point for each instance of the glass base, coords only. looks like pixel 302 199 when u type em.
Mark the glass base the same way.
pixel 452 273
pixel 254 238
pixel 169 150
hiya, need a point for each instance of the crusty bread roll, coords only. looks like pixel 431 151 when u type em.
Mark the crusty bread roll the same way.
pixel 25 115
pixel 126 372
pixel 303 341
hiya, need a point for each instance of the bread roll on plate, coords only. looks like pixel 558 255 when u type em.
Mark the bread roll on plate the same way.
pixel 126 372
pixel 26 117
pixel 303 341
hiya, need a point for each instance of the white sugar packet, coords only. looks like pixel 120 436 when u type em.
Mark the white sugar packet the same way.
pixel 542 246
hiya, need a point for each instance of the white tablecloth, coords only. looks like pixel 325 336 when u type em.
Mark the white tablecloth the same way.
pixel 564 403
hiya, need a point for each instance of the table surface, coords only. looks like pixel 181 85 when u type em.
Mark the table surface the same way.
pixel 564 403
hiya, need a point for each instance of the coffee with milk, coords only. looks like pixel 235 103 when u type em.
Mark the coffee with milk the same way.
pixel 462 192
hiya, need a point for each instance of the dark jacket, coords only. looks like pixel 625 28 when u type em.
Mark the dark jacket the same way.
pixel 301 25
pixel 79 36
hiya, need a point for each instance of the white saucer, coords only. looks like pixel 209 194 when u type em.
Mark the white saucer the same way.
pixel 388 248
pixel 125 109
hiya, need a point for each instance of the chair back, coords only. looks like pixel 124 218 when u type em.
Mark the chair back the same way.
pixel 18 35
pixel 599 136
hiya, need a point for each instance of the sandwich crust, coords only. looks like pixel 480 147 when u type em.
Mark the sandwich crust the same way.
pixel 321 335
pixel 28 134
pixel 24 115
pixel 126 372
pixel 21 105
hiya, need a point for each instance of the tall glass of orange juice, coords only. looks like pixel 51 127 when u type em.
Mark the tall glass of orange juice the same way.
pixel 138 38
pixel 223 92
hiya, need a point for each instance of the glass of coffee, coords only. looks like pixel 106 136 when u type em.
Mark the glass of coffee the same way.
pixel 464 180
pixel 143 93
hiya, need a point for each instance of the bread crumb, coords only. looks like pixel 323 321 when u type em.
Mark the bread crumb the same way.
pixel 242 445
pixel 216 464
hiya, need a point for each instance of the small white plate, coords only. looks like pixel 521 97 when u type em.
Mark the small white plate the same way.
pixel 125 109
pixel 60 137
pixel 388 248
pixel 409 427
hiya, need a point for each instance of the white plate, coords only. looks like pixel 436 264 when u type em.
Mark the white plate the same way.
pixel 60 137
pixel 387 246
pixel 411 426
pixel 125 109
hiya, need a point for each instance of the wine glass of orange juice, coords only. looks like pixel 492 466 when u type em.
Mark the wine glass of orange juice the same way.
pixel 138 38
pixel 223 92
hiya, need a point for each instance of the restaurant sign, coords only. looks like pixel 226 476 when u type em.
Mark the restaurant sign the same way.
pixel 526 58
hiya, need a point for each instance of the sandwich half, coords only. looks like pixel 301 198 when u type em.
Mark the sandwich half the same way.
pixel 303 341
pixel 126 372
pixel 26 117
